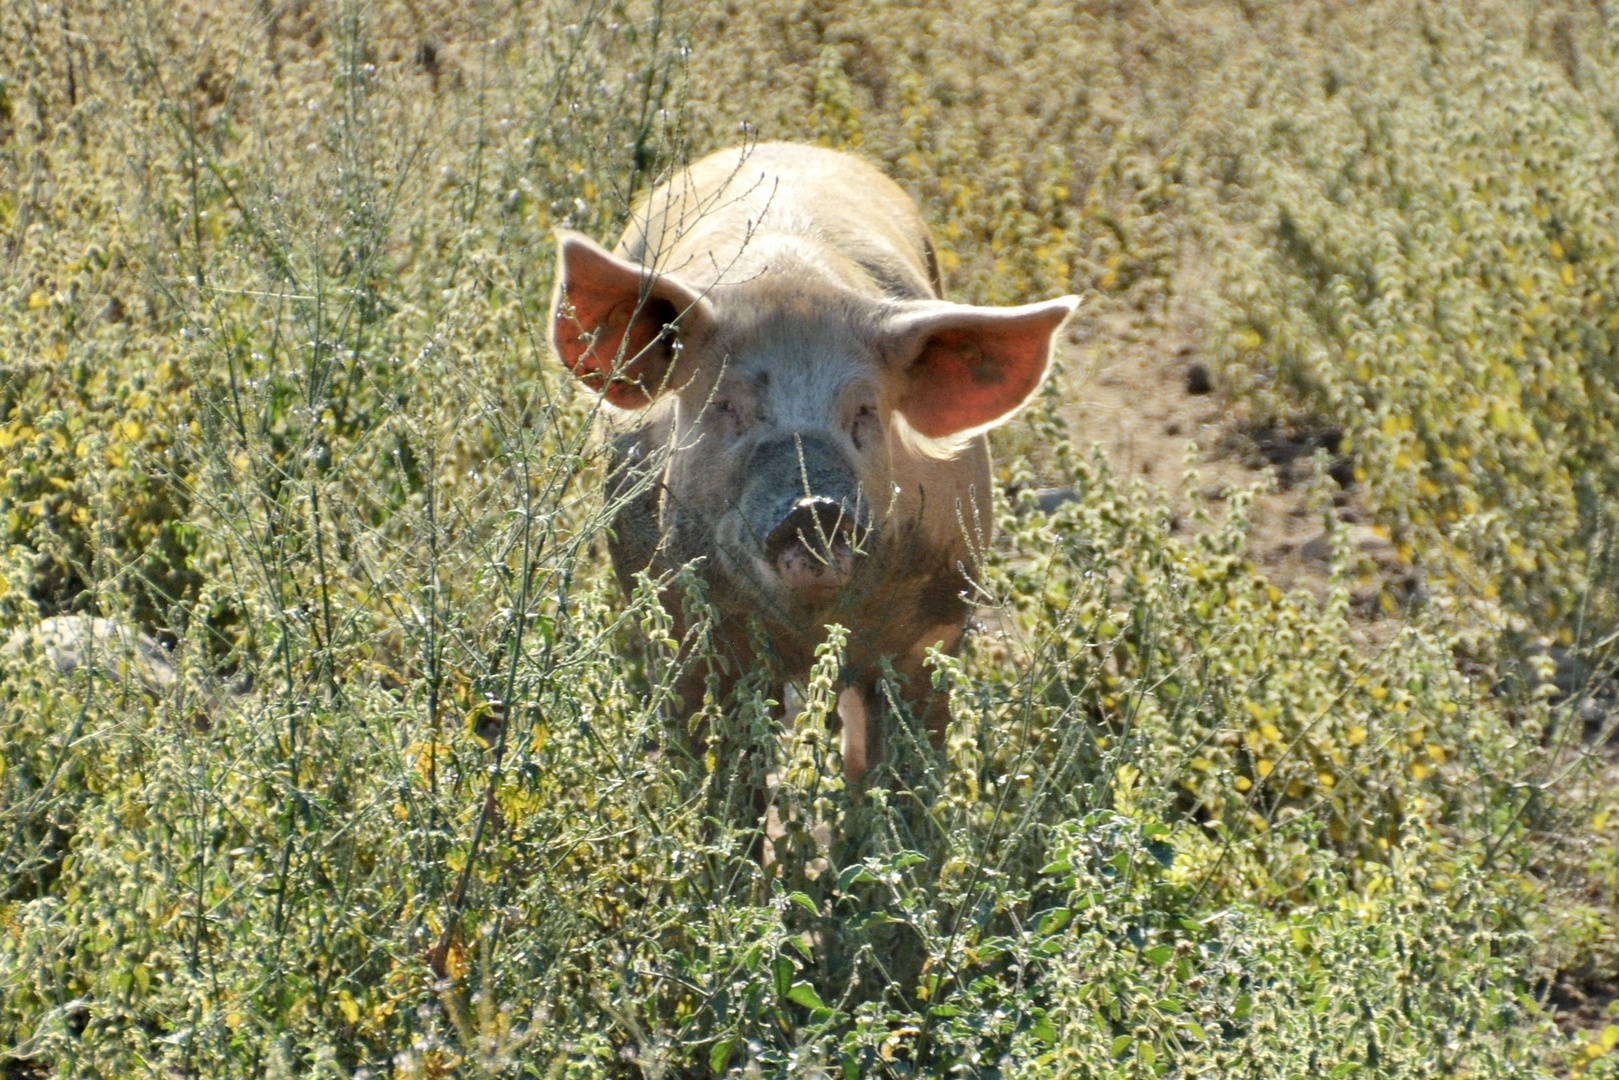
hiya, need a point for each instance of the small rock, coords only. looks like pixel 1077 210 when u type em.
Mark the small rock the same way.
pixel 1594 719
pixel 1197 379
pixel 427 56
pixel 72 642
pixel 1048 499
pixel 1364 600
pixel 1363 539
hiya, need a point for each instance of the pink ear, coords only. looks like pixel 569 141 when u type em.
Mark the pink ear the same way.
pixel 613 322
pixel 968 368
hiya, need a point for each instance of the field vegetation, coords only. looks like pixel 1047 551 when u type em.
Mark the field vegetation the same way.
pixel 275 391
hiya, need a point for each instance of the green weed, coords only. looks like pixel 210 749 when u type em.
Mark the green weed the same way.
pixel 276 391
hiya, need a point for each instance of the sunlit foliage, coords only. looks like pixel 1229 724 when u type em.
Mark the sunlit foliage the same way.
pixel 276 392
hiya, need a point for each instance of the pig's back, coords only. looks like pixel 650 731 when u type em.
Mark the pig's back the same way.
pixel 782 208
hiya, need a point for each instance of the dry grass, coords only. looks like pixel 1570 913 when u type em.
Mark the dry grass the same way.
pixel 276 391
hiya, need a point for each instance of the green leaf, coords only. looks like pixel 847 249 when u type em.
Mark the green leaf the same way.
pixel 854 875
pixel 1053 921
pixel 1159 954
pixel 1121 1044
pixel 720 1055
pixel 805 995
pixel 804 902
pixel 781 969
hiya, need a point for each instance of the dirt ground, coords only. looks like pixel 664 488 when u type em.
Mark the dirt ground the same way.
pixel 1146 393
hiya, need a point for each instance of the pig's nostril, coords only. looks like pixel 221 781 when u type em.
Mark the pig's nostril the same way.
pixel 817 523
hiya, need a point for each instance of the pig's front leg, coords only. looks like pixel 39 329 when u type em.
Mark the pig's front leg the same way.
pixel 857 734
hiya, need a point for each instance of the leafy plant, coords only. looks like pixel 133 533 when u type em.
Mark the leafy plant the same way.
pixel 421 800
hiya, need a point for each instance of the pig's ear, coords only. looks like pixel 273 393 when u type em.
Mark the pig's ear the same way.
pixel 965 369
pixel 615 325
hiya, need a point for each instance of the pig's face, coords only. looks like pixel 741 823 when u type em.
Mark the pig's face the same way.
pixel 798 412
pixel 783 473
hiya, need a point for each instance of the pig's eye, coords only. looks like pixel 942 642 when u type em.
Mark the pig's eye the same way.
pixel 724 410
pixel 864 426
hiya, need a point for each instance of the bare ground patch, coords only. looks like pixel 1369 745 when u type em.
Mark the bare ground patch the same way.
pixel 1147 395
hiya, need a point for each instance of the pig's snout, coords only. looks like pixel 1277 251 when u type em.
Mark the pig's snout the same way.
pixel 805 516
pixel 812 549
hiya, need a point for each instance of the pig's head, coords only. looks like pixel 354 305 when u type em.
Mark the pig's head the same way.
pixel 797 407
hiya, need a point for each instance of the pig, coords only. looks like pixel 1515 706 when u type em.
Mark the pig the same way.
pixel 774 316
